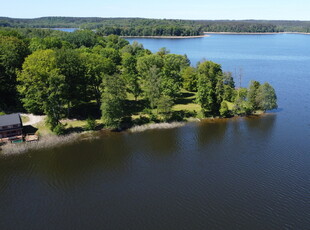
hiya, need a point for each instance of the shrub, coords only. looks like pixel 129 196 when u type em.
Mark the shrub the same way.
pixel 90 124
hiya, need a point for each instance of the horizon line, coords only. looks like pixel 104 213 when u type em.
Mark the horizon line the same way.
pixel 121 17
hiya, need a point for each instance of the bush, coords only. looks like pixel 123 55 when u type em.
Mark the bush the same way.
pixel 224 111
pixel 90 124
pixel 141 120
pixel 59 129
pixel 154 118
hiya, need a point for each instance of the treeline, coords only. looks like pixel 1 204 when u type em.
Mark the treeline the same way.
pixel 56 74
pixel 150 31
pixel 128 26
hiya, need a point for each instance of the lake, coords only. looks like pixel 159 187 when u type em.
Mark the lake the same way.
pixel 239 173
pixel 66 29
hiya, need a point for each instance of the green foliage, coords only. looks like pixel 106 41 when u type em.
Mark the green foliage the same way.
pixel 266 97
pixel 130 74
pixel 163 51
pixel 113 97
pixel 164 106
pixel 80 38
pixel 135 49
pixel 59 129
pixel 34 77
pixel 241 105
pixel 145 63
pixel 252 94
pixel 12 54
pixel 224 111
pixel 152 86
pixel 171 74
pixel 156 27
pixel 66 71
pixel 70 64
pixel 109 53
pixel 209 86
pixel 189 75
pixel 96 67
pixel 90 124
pixel 45 43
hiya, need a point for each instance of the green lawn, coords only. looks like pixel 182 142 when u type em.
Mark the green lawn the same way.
pixel 186 101
pixel 43 129
pixel 136 109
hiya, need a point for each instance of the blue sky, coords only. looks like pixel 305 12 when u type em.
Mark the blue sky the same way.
pixel 179 9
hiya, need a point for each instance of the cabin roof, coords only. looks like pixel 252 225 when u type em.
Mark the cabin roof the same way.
pixel 10 119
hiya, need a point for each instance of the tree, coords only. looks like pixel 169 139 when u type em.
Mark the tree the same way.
pixel 145 63
pixel 70 65
pixel 163 51
pixel 241 105
pixel 113 97
pixel 135 49
pixel 224 111
pixel 45 43
pixel 96 67
pixel 34 77
pixel 43 88
pixel 130 74
pixel 164 105
pixel 229 87
pixel 54 103
pixel 189 75
pixel 171 74
pixel 266 97
pixel 153 86
pixel 80 38
pixel 208 94
pixel 12 54
pixel 228 79
pixel 252 94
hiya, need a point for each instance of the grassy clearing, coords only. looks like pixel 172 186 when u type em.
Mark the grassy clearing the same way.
pixel 43 129
pixel 185 104
pixel 79 123
pixel 189 107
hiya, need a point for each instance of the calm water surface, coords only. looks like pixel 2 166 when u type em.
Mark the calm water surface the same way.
pixel 66 29
pixel 241 173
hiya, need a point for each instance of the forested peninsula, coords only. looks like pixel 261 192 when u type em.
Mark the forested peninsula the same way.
pixel 107 82
pixel 158 27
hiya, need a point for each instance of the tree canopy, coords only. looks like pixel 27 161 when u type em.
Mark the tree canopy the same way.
pixel 62 75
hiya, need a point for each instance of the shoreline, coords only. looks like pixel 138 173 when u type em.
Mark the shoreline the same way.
pixel 52 140
pixel 259 33
pixel 168 37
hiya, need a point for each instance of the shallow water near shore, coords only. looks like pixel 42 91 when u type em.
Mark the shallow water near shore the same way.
pixel 239 173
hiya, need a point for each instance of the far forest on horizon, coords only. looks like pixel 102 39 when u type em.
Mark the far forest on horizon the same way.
pixel 158 27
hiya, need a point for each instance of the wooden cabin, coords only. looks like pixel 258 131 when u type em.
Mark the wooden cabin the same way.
pixel 11 128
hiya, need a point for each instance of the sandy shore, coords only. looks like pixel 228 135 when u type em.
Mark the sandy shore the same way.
pixel 170 37
pixel 247 33
pixel 33 119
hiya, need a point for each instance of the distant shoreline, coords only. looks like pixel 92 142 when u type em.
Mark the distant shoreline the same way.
pixel 170 37
pixel 249 33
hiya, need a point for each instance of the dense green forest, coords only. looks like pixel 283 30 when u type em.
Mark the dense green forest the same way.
pixel 83 75
pixel 148 27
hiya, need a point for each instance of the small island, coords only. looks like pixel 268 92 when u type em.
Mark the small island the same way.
pixel 85 81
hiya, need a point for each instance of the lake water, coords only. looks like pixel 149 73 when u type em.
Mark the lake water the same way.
pixel 66 29
pixel 240 173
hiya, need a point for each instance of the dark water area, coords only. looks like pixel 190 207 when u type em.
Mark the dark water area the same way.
pixel 240 173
